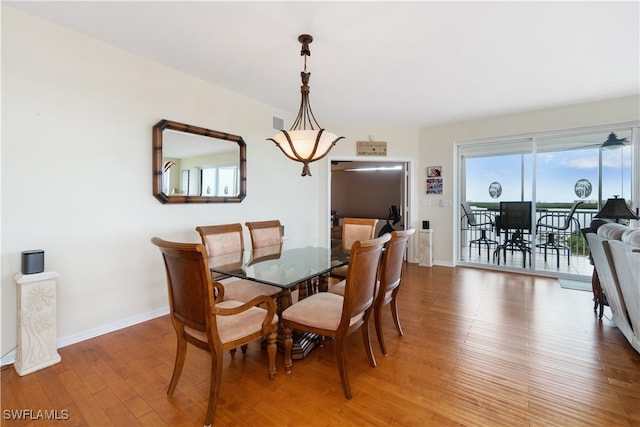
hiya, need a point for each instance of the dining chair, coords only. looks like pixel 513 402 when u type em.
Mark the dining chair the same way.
pixel 330 315
pixel 390 275
pixel 354 229
pixel 265 233
pixel 549 225
pixel 228 239
pixel 209 325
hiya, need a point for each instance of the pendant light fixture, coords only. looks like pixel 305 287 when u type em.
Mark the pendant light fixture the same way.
pixel 306 141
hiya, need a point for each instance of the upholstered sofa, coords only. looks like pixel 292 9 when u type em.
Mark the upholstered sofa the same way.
pixel 615 250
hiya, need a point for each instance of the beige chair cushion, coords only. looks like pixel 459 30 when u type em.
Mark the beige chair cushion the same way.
pixel 322 310
pixel 231 328
pixel 266 237
pixel 245 290
pixel 223 243
pixel 354 232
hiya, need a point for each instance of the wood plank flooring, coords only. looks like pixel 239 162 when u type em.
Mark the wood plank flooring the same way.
pixel 480 348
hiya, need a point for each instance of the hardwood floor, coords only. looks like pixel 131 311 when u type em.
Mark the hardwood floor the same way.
pixel 480 348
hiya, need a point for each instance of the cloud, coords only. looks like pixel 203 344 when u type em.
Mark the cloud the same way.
pixel 582 163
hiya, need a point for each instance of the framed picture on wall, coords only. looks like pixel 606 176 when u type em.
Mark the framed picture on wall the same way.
pixel 434 185
pixel 434 171
pixel 434 182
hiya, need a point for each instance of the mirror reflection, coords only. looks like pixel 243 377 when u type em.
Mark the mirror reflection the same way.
pixel 197 165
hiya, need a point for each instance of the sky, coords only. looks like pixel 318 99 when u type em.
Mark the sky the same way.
pixel 556 175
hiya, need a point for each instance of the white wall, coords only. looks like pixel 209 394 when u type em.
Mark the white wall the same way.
pixel 433 139
pixel 76 172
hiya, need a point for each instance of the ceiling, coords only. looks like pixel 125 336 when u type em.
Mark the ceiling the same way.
pixel 382 63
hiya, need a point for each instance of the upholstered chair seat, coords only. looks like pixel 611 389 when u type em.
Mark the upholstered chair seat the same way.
pixel 232 328
pixel 324 311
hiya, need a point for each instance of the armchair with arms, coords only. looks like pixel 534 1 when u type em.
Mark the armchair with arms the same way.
pixel 209 325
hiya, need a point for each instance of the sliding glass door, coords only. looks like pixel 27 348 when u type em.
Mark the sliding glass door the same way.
pixel 565 177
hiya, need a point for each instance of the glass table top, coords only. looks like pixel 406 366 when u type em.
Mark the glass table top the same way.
pixel 283 265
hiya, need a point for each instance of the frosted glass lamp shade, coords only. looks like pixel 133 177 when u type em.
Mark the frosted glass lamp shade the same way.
pixel 305 146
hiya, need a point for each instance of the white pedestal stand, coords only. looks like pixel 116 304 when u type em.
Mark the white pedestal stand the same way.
pixel 424 248
pixel 36 322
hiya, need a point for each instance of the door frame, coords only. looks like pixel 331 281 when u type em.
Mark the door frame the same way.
pixel 409 177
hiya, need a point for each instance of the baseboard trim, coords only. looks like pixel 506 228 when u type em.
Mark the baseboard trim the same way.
pixel 10 357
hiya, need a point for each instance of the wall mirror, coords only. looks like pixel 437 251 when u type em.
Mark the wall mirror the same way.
pixel 197 165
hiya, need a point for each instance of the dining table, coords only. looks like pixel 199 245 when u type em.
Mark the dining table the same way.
pixel 295 264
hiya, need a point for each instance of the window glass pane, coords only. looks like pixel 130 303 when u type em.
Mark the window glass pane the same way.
pixel 616 173
pixel 569 167
pixel 497 172
pixel 227 181
pixel 208 181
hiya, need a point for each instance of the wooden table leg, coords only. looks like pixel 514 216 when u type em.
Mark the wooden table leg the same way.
pixel 323 283
pixel 303 342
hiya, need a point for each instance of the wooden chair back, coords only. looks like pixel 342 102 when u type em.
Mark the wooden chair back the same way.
pixel 360 287
pixel 265 233
pixel 188 280
pixel 390 275
pixel 392 261
pixel 222 239
pixel 354 229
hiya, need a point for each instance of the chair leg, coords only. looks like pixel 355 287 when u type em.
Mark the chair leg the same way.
pixel 271 351
pixel 342 366
pixel 396 317
pixel 181 354
pixel 214 386
pixel 288 344
pixel 366 339
pixel 244 348
pixel 377 316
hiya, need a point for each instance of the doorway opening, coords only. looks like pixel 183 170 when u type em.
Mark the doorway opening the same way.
pixel 369 189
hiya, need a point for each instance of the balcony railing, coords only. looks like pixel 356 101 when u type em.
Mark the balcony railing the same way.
pixel 554 217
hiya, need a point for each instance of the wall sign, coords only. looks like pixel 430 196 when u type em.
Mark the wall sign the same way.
pixel 372 148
